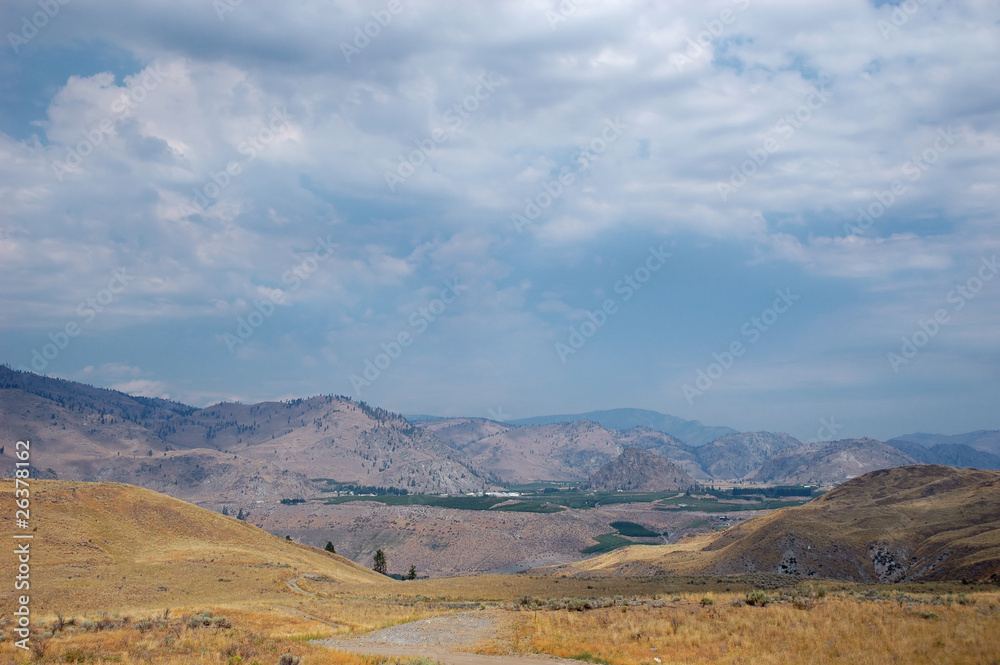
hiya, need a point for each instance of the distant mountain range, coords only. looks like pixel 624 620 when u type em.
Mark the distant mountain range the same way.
pixel 985 440
pixel 690 432
pixel 243 455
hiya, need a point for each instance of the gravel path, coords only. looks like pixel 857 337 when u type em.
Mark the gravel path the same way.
pixel 440 638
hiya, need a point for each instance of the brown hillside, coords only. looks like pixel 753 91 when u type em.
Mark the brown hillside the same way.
pixel 638 470
pixel 737 456
pixel 87 433
pixel 567 451
pixel 108 544
pixel 831 463
pixel 912 523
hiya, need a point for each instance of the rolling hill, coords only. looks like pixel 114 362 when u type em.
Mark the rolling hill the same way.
pixel 109 544
pixel 738 456
pixel 948 454
pixel 910 523
pixel 985 440
pixel 830 463
pixel 690 432
pixel 227 453
pixel 638 470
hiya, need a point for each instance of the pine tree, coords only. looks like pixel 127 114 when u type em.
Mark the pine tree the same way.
pixel 330 548
pixel 225 511
pixel 412 575
pixel 381 565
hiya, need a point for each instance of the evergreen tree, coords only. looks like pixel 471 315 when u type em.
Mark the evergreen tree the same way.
pixel 225 511
pixel 381 565
pixel 412 575
pixel 241 515
pixel 330 548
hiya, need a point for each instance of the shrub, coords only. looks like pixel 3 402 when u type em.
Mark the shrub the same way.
pixel 757 597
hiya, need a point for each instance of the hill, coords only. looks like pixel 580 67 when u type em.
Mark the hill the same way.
pixel 830 463
pixel 214 454
pixel 114 545
pixel 638 470
pixel 569 452
pixel 690 432
pixel 911 523
pixel 948 454
pixel 663 445
pixel 738 456
pixel 985 440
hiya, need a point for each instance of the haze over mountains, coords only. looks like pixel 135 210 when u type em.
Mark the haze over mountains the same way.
pixel 243 455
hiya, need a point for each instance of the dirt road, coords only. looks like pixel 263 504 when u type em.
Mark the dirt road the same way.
pixel 442 638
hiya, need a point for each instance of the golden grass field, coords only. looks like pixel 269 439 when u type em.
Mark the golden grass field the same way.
pixel 110 560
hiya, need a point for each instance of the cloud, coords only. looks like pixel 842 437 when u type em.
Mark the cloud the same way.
pixel 225 149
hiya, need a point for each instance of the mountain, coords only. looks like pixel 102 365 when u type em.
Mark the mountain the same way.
pixel 135 547
pixel 984 440
pixel 911 523
pixel 737 456
pixel 638 470
pixel 690 432
pixel 232 454
pixel 830 463
pixel 948 454
pixel 460 432
pixel 905 524
pixel 566 451
pixel 560 451
pixel 663 445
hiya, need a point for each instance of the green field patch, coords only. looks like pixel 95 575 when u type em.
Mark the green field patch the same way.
pixel 607 542
pixel 531 507
pixel 633 530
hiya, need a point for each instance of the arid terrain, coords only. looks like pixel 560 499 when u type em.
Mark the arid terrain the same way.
pixel 276 464
pixel 127 575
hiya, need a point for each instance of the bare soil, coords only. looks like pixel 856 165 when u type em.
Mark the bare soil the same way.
pixel 446 639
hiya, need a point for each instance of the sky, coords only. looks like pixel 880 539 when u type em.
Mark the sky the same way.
pixel 764 214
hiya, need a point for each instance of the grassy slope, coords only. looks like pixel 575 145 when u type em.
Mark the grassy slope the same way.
pixel 939 522
pixel 114 545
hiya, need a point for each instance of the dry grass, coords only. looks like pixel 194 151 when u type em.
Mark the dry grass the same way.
pixel 947 519
pixel 870 629
pixel 112 545
pixel 129 553
pixel 217 636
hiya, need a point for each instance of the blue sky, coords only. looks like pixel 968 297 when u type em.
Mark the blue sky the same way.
pixel 526 207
